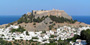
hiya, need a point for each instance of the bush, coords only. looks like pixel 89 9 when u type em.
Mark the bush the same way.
pixel 34 38
pixel 27 33
pixel 34 23
pixel 2 42
pixel 74 38
pixel 61 19
pixel 52 36
pixel 30 18
pixel 63 42
pixel 20 29
pixel 85 35
pixel 50 27
pixel 26 18
pixel 44 31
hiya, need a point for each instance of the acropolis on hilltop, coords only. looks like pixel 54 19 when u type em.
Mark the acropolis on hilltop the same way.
pixel 54 12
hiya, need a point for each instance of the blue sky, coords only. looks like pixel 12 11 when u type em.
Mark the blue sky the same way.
pixel 20 7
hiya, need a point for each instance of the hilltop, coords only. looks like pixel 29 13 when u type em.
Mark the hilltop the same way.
pixel 50 27
pixel 53 12
pixel 40 20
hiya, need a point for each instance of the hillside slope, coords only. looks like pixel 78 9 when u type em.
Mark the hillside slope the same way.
pixel 46 20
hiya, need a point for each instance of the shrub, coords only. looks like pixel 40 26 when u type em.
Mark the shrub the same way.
pixel 20 29
pixel 27 33
pixel 61 19
pixel 50 27
pixel 34 23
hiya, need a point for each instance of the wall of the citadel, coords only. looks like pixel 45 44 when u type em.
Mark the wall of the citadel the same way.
pixel 28 13
pixel 49 12
pixel 39 12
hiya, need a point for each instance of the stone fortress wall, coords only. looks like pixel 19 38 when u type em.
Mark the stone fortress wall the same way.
pixel 48 12
pixel 54 12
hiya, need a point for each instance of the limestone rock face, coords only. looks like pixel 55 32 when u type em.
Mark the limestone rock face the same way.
pixel 54 12
pixel 47 20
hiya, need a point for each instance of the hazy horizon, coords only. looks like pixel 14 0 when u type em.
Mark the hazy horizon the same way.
pixel 20 7
pixel 23 14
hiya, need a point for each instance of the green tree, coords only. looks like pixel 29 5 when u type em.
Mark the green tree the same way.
pixel 85 35
pixel 27 33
